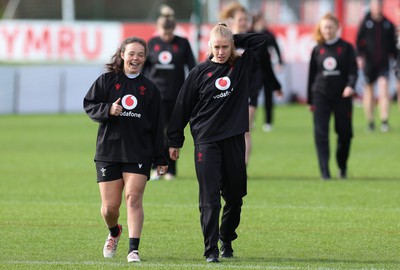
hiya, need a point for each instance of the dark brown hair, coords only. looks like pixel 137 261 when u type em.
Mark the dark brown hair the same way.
pixel 116 63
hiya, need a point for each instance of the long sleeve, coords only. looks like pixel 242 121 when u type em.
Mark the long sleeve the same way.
pixel 352 73
pixel 255 42
pixel 184 106
pixel 94 103
pixel 269 73
pixel 258 45
pixel 392 42
pixel 274 44
pixel 361 40
pixel 190 61
pixel 158 134
pixel 312 71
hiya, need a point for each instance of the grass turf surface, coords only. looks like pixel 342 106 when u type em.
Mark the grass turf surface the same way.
pixel 50 218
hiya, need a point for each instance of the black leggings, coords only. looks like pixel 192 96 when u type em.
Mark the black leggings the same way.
pixel 221 171
pixel 342 111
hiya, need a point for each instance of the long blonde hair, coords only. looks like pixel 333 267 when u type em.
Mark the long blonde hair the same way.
pixel 317 32
pixel 221 30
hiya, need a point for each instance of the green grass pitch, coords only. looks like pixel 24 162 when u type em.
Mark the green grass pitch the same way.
pixel 50 218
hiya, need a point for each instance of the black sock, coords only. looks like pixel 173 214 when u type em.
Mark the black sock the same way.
pixel 114 231
pixel 133 244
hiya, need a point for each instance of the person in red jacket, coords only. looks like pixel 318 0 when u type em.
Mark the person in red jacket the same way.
pixel 126 105
pixel 331 81
pixel 214 99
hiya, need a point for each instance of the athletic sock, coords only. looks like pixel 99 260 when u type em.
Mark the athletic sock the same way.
pixel 133 244
pixel 114 231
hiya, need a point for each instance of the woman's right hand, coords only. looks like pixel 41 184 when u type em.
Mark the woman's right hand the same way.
pixel 115 108
pixel 174 153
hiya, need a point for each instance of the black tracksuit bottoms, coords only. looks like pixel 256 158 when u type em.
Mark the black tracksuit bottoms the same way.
pixel 221 172
pixel 268 103
pixel 342 110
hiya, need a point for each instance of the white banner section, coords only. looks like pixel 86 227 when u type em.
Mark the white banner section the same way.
pixel 47 41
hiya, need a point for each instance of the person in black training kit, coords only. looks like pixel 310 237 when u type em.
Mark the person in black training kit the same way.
pixel 376 44
pixel 214 99
pixel 236 16
pixel 169 55
pixel 258 26
pixel 130 138
pixel 331 81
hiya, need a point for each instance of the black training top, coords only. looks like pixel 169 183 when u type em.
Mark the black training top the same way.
pixel 166 62
pixel 265 75
pixel 214 97
pixel 376 41
pixel 135 136
pixel 332 68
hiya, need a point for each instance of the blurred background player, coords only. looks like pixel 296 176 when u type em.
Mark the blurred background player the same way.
pixel 236 17
pixel 397 67
pixel 170 57
pixel 258 25
pixel 376 44
pixel 331 81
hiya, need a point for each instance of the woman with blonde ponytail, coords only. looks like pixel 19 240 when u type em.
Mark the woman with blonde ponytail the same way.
pixel 214 100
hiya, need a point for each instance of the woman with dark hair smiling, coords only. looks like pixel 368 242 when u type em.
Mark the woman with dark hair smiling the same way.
pixel 130 138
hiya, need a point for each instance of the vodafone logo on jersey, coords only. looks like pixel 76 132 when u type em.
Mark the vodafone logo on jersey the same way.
pixel 165 57
pixel 330 63
pixel 223 83
pixel 129 102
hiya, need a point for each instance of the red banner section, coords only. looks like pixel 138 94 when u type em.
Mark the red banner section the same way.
pixel 55 42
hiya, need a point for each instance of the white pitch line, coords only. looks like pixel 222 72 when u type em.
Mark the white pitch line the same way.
pixel 145 264
pixel 188 266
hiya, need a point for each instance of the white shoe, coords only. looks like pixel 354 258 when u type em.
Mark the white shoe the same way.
pixel 169 176
pixel 267 127
pixel 154 175
pixel 384 127
pixel 111 244
pixel 133 256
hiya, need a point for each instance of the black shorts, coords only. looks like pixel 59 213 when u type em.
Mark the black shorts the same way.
pixel 109 171
pixel 372 73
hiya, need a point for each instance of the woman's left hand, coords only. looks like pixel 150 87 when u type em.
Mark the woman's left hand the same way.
pixel 348 92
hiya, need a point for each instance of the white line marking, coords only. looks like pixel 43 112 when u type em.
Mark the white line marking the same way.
pixel 224 265
pixel 146 264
